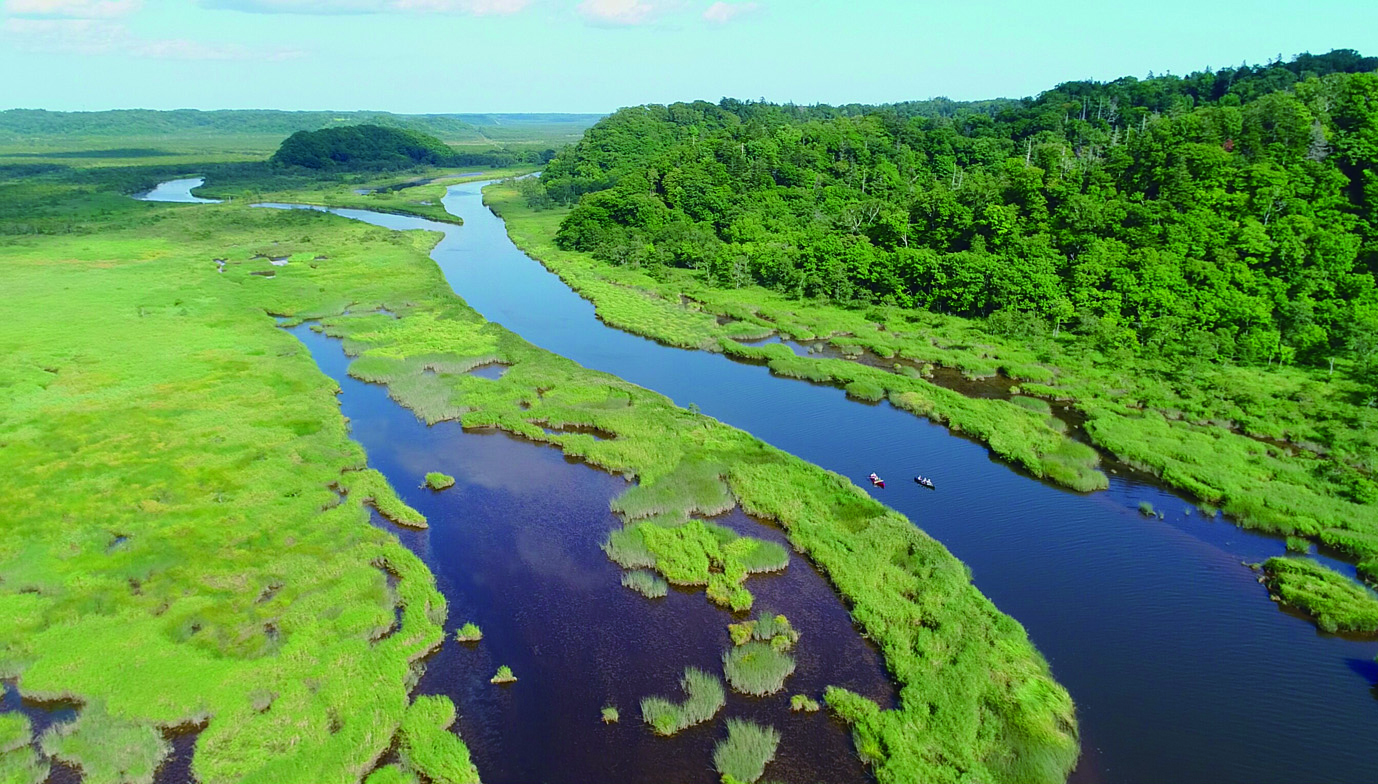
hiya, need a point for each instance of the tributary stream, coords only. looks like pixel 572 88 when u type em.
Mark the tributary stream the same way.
pixel 1181 668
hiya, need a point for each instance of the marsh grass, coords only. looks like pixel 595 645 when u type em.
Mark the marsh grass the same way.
pixel 1335 601
pixel 704 697
pixel 611 715
pixel 1146 509
pixel 1298 545
pixel 694 553
pixel 743 755
pixel 757 668
pixel 370 486
pixel 428 747
pixel 438 481
pixel 646 583
pixel 766 627
pixel 503 675
pixel 392 774
pixel 19 764
pixel 469 632
pixel 803 703
pixel 107 748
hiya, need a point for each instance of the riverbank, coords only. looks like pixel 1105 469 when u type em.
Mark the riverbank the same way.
pixel 1219 439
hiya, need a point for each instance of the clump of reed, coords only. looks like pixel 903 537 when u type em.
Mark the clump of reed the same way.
pixel 743 755
pixel 704 697
pixel 1146 509
pixel 628 550
pixel 1296 544
pixel 757 668
pixel 611 715
pixel 773 629
pixel 438 481
pixel 1034 404
pixel 469 632
pixel 803 702
pixel 503 675
pixel 646 583
pixel 427 746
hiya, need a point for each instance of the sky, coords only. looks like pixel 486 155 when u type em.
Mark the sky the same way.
pixel 441 56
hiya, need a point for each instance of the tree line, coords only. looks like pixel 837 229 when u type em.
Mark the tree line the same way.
pixel 1228 213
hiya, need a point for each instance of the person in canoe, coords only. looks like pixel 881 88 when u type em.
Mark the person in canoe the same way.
pixel 877 481
pixel 924 481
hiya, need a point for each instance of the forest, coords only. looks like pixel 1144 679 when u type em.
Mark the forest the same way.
pixel 1225 215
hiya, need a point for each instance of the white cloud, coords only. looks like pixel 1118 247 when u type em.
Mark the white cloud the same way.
pixel 475 7
pixel 99 36
pixel 626 12
pixel 722 13
pixel 73 9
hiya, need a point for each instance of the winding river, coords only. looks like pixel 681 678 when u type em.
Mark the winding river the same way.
pixel 1182 669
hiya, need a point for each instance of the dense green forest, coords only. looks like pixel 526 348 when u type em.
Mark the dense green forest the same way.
pixel 374 147
pixel 1227 214
pixel 37 123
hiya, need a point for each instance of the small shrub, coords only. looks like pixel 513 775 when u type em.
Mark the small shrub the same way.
pixel 803 702
pixel 469 632
pixel 757 668
pixel 646 584
pixel 745 752
pixel 438 481
pixel 504 675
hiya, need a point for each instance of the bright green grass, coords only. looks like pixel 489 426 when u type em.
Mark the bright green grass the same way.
pixel 1195 426
pixel 438 481
pixel 18 762
pixel 974 694
pixel 743 755
pixel 469 632
pixel 610 715
pixel 108 749
pixel 503 675
pixel 757 668
pixel 427 747
pixel 804 703
pixel 1337 604
pixel 147 400
pixel 773 629
pixel 704 697
pixel 697 553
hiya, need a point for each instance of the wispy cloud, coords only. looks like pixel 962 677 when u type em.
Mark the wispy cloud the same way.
pixel 337 7
pixel 722 13
pixel 100 36
pixel 627 13
pixel 73 9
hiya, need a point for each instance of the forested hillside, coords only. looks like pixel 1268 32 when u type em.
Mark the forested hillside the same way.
pixel 1227 214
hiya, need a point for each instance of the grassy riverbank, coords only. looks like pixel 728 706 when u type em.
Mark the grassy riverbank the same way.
pixel 1285 450
pixel 175 552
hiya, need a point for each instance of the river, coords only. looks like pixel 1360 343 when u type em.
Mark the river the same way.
pixel 1181 668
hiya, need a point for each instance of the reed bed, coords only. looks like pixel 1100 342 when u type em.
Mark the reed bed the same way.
pixel 1335 601
pixel 646 583
pixel 757 668
pixel 743 755
pixel 704 697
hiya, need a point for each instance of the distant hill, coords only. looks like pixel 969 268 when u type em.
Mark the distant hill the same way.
pixel 362 147
pixel 455 128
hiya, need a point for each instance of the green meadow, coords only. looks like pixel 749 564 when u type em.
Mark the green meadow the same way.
pixel 187 502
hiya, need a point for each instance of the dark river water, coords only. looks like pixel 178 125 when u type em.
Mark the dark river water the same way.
pixel 1181 668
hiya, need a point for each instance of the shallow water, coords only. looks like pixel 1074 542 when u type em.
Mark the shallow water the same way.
pixel 177 191
pixel 514 545
pixel 1181 667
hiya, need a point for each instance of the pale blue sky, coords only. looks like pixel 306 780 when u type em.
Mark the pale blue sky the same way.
pixel 597 55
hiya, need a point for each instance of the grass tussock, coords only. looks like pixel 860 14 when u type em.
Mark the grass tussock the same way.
pixel 503 675
pixel 370 486
pixel 757 668
pixel 704 697
pixel 469 632
pixel 803 703
pixel 646 583
pixel 1335 601
pixel 19 764
pixel 743 755
pixel 766 627
pixel 438 481
pixel 106 747
pixel 611 715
